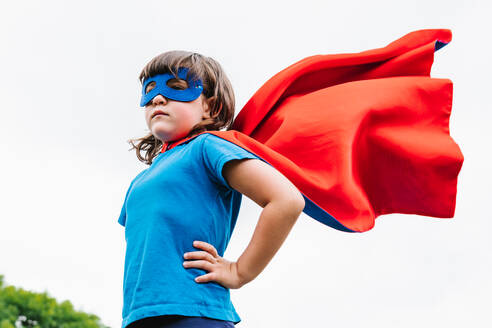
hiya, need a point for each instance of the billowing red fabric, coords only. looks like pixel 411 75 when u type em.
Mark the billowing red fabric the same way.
pixel 361 134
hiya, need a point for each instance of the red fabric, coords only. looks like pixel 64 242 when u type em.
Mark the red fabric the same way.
pixel 361 134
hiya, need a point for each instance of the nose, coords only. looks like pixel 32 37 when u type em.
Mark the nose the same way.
pixel 159 100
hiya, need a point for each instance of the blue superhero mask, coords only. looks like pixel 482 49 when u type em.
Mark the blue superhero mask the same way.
pixel 194 90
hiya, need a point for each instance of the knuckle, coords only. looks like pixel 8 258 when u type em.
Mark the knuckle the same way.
pixel 195 264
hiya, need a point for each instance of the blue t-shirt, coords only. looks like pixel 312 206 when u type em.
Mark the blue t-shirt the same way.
pixel 180 198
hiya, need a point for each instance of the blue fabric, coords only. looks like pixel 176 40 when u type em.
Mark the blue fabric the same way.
pixel 180 198
pixel 439 44
pixel 322 216
pixel 194 90
pixel 173 321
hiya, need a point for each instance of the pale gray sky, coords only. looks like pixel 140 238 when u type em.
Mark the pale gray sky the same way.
pixel 69 98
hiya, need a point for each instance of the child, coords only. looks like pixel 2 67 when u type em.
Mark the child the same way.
pixel 360 135
pixel 180 212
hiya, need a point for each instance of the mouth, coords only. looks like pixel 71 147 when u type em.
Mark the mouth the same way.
pixel 159 113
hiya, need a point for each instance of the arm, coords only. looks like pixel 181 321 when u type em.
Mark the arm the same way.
pixel 282 204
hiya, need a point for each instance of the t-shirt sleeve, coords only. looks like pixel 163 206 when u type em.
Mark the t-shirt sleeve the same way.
pixel 122 217
pixel 217 152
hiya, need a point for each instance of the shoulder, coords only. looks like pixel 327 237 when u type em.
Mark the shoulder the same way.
pixel 138 176
pixel 220 138
pixel 208 142
pixel 142 172
pixel 203 139
pixel 217 151
pixel 220 142
pixel 210 136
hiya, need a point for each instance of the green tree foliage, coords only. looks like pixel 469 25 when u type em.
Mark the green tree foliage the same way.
pixel 21 308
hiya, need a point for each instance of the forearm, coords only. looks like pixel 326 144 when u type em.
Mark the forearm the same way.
pixel 275 222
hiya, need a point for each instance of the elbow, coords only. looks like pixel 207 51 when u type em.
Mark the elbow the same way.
pixel 296 202
pixel 300 202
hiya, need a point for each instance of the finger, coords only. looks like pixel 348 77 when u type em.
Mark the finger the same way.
pixel 199 264
pixel 206 246
pixel 206 277
pixel 202 255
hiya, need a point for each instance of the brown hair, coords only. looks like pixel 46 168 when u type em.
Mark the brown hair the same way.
pixel 217 91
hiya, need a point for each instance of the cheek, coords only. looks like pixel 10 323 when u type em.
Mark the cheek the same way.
pixel 189 115
pixel 147 118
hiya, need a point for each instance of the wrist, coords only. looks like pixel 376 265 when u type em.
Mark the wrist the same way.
pixel 243 275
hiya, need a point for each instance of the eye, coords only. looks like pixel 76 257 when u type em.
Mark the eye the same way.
pixel 177 84
pixel 150 86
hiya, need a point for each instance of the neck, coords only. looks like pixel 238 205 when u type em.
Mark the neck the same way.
pixel 171 144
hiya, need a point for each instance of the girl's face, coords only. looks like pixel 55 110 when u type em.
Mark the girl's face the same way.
pixel 170 120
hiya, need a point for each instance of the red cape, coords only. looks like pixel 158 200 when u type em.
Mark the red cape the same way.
pixel 360 135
